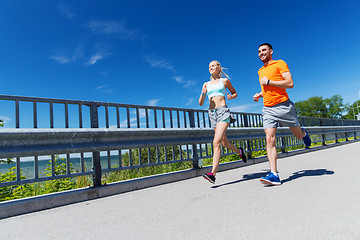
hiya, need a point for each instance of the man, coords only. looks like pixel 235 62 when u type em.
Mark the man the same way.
pixel 275 78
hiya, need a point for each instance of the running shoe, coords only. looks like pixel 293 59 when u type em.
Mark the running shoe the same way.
pixel 210 177
pixel 271 180
pixel 243 155
pixel 306 139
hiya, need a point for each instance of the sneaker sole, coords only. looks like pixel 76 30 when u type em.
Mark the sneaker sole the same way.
pixel 207 178
pixel 268 183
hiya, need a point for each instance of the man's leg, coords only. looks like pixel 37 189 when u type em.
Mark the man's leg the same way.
pixel 301 133
pixel 271 148
pixel 298 132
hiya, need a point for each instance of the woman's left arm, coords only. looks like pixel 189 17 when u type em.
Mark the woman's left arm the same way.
pixel 229 86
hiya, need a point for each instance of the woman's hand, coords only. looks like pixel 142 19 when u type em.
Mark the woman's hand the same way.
pixel 204 89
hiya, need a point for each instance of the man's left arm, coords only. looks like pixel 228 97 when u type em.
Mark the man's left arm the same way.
pixel 286 83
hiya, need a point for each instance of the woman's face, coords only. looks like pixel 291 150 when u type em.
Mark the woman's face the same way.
pixel 214 68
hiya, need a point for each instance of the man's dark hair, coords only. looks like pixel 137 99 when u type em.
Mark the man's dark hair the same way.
pixel 266 44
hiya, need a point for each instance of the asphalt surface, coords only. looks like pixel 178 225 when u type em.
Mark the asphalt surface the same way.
pixel 319 199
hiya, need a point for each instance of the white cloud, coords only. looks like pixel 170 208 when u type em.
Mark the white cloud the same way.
pixel 153 102
pixel 66 11
pixel 93 59
pixel 179 79
pixel 189 102
pixel 60 59
pixel 101 87
pixel 186 83
pixel 114 27
pixel 159 63
pixel 101 54
pixel 104 89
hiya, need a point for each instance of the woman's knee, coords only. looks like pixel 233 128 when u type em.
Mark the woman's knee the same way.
pixel 216 144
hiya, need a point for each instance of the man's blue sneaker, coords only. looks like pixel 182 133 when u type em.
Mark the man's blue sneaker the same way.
pixel 306 139
pixel 271 179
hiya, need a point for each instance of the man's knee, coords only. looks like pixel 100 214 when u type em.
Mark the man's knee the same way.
pixel 270 136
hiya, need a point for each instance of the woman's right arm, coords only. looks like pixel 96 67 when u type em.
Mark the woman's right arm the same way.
pixel 202 95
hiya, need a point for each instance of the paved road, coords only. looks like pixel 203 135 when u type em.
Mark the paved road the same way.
pixel 319 199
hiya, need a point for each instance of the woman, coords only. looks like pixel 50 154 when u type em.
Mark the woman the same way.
pixel 219 114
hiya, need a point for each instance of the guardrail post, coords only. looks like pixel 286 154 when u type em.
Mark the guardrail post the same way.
pixel 248 142
pixel 283 144
pixel 94 121
pixel 323 136
pixel 194 146
pixel 346 133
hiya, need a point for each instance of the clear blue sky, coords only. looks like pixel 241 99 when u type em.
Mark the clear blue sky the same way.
pixel 157 52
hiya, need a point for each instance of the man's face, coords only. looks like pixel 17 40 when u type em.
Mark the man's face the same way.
pixel 265 53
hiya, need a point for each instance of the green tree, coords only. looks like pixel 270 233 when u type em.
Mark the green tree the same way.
pixel 15 191
pixel 335 106
pixel 58 185
pixel 313 107
pixel 353 109
pixel 332 107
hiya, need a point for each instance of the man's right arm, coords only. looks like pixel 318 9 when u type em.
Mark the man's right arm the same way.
pixel 257 96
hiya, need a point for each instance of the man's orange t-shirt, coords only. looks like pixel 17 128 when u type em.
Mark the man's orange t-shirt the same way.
pixel 273 95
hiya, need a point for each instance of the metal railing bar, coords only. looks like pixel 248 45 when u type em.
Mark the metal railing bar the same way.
pixel 36 167
pixel 68 164
pixel 107 116
pixel 138 117
pixel 17 114
pixel 117 117
pixel 155 118
pixel 82 162
pixel 147 118
pixel 51 112
pixel 171 120
pixel 66 115
pixel 128 117
pixel 35 114
pixel 80 116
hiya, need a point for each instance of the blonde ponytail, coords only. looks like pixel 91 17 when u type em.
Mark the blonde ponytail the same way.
pixel 222 73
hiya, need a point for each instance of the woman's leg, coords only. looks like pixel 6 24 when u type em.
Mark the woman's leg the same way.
pixel 220 130
pixel 229 145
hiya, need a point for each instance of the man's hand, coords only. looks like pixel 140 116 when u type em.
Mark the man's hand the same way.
pixel 257 96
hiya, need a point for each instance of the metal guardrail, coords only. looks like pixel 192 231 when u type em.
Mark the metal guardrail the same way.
pixel 106 133
pixel 19 143
pixel 63 113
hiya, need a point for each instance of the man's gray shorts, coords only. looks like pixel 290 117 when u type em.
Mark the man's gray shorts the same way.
pixel 282 114
pixel 220 114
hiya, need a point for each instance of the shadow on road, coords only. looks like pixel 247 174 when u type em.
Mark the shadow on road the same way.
pixel 308 173
pixel 246 177
pixel 296 175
